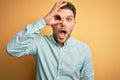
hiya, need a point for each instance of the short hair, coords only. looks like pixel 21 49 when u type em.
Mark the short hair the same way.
pixel 71 7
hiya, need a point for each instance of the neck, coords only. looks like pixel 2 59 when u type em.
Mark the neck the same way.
pixel 61 44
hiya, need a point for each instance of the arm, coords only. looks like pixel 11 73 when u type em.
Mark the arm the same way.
pixel 87 72
pixel 18 46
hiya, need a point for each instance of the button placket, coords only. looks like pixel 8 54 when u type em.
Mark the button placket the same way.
pixel 60 60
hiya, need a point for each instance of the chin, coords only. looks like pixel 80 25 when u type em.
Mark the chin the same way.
pixel 61 41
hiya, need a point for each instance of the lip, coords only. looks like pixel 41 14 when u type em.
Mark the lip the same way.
pixel 63 31
pixel 62 34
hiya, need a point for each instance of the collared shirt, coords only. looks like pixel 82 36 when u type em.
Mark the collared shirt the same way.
pixel 52 61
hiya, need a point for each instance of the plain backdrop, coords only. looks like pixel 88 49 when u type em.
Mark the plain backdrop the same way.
pixel 98 24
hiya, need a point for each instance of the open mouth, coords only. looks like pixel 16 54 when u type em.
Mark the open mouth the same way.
pixel 62 34
pixel 63 31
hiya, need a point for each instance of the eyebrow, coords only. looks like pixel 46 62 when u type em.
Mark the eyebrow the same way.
pixel 70 16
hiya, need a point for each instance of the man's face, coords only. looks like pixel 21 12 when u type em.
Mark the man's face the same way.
pixel 62 31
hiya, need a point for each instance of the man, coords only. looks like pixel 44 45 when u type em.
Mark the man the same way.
pixel 58 56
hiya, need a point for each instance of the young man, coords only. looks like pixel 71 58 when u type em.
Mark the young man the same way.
pixel 59 56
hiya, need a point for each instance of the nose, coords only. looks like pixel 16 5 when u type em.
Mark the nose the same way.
pixel 64 22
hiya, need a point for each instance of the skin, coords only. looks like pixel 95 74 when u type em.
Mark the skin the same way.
pixel 62 22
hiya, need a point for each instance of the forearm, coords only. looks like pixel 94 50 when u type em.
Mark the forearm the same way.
pixel 18 45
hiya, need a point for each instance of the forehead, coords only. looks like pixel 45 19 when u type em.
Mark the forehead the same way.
pixel 66 13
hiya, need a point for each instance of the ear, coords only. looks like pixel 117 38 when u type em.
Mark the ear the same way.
pixel 74 23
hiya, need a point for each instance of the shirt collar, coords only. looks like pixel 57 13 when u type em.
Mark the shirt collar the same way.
pixel 68 41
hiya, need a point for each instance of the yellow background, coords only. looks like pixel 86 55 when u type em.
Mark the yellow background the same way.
pixel 98 24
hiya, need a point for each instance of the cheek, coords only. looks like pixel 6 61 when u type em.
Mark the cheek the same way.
pixel 55 29
pixel 71 24
pixel 70 30
pixel 71 27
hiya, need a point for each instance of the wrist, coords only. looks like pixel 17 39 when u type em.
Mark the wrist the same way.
pixel 46 20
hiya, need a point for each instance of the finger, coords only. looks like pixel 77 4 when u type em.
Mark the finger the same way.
pixel 58 5
pixel 57 22
pixel 62 1
pixel 61 4
pixel 57 17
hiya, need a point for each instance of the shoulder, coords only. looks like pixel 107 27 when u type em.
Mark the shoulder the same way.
pixel 79 43
pixel 41 37
pixel 81 46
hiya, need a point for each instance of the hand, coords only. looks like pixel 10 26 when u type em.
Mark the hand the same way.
pixel 53 17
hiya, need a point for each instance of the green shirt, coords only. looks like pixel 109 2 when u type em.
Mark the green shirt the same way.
pixel 52 61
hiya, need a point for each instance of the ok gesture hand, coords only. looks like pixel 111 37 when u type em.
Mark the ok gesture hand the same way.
pixel 53 16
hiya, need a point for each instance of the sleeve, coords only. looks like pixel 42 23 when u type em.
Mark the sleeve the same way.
pixel 87 72
pixel 19 44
